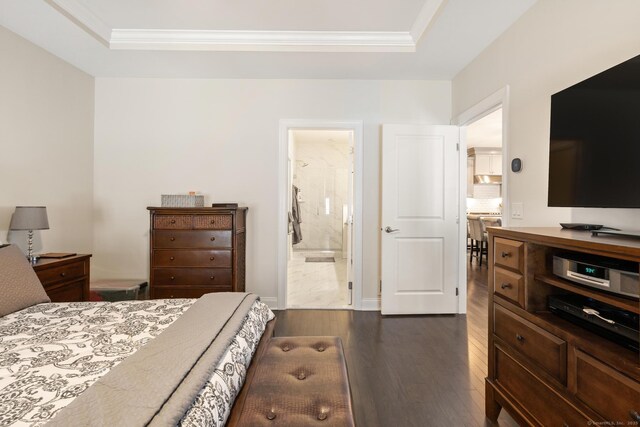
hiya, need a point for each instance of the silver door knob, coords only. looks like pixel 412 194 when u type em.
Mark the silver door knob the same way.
pixel 391 230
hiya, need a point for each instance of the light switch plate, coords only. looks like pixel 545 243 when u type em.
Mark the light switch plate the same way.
pixel 517 210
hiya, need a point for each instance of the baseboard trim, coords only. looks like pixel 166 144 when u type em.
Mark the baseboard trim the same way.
pixel 370 304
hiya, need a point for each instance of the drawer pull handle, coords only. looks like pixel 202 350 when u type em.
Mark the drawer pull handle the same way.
pixel 173 278
pixel 519 337
pixel 213 221
pixel 506 286
pixel 173 221
pixel 171 258
pixel 505 254
pixel 213 238
pixel 212 277
pixel 63 274
pixel 211 258
pixel 565 424
pixel 635 416
pixel 172 239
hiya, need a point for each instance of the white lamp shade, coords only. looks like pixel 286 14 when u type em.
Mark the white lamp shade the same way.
pixel 29 218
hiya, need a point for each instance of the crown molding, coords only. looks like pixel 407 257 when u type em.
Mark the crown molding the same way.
pixel 245 41
pixel 270 41
pixel 83 18
pixel 425 18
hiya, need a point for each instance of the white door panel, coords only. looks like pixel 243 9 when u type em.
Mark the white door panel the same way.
pixel 420 269
pixel 419 208
pixel 420 160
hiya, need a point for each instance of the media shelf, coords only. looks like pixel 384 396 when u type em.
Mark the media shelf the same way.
pixel 628 304
pixel 544 369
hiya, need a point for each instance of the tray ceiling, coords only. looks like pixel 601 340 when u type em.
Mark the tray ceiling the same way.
pixel 363 39
pixel 269 15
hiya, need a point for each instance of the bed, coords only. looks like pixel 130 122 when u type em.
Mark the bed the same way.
pixel 156 362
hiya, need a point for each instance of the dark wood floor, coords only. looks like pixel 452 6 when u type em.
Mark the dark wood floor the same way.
pixel 410 370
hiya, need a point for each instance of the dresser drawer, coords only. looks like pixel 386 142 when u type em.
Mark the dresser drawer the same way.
pixel 192 276
pixel 546 406
pixel 191 258
pixel 597 384
pixel 191 239
pixel 67 292
pixel 61 273
pixel 509 285
pixel 183 292
pixel 172 222
pixel 509 253
pixel 213 222
pixel 542 348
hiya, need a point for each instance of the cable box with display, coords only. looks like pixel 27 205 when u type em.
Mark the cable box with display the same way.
pixel 615 324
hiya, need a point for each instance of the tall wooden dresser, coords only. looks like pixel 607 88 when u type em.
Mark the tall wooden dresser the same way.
pixel 195 251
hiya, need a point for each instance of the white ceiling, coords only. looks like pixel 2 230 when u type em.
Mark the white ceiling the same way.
pixel 486 132
pixel 347 39
pixel 318 15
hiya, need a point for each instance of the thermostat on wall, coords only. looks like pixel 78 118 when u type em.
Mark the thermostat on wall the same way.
pixel 516 165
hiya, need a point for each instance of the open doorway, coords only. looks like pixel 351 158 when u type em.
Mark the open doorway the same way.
pixel 497 103
pixel 288 162
pixel 484 183
pixel 321 218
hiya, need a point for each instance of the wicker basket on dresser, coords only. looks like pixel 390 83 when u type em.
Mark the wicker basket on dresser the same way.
pixel 195 251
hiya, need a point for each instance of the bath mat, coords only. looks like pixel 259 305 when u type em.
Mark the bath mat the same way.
pixel 320 259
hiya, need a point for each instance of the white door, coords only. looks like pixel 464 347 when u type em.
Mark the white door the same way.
pixel 349 220
pixel 419 219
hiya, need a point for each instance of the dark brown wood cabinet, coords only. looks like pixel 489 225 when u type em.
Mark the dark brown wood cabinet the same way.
pixel 544 370
pixel 65 279
pixel 195 251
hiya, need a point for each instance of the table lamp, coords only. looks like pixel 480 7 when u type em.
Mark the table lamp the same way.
pixel 30 218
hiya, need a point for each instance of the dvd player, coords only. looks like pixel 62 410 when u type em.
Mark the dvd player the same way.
pixel 609 274
pixel 618 325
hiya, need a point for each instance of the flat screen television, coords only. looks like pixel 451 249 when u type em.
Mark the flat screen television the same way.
pixel 594 151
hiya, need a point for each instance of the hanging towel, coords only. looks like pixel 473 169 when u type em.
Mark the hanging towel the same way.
pixel 295 214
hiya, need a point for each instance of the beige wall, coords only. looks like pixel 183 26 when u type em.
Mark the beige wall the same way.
pixel 220 137
pixel 554 45
pixel 46 144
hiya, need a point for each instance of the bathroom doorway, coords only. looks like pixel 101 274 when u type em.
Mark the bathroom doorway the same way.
pixel 320 201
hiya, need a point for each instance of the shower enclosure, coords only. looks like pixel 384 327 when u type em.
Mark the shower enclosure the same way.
pixel 322 201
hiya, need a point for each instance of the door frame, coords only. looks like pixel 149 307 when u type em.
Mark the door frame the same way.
pixel 493 102
pixel 283 193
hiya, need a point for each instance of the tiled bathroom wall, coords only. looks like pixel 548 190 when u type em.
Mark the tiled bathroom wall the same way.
pixel 321 174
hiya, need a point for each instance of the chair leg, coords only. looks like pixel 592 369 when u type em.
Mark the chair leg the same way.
pixel 480 253
pixel 471 253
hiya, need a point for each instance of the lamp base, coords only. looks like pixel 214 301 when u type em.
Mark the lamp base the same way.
pixel 30 256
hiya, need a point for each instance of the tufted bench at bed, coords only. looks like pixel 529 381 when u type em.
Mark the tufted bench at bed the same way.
pixel 300 381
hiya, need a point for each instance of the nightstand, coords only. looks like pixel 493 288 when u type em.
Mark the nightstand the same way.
pixel 65 279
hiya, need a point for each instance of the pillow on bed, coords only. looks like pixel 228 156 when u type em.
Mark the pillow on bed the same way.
pixel 19 285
